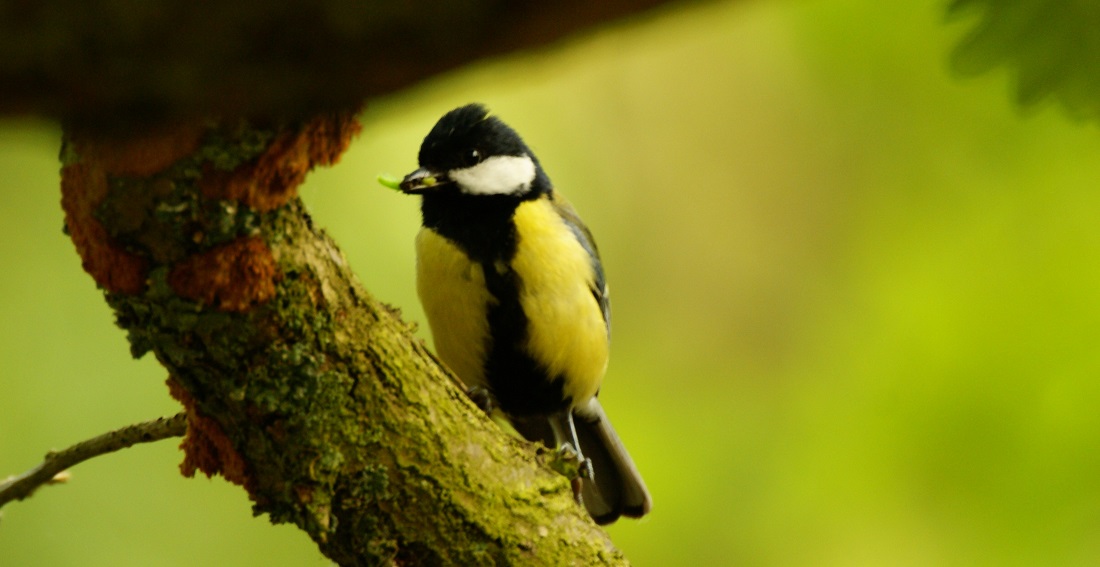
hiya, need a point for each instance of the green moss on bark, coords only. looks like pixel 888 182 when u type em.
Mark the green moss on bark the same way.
pixel 345 424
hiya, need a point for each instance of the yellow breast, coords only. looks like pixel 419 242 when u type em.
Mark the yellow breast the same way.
pixel 455 300
pixel 566 333
pixel 566 330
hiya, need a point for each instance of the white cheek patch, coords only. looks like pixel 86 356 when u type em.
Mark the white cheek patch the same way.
pixel 498 175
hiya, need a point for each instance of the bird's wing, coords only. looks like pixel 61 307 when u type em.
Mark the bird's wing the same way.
pixel 599 283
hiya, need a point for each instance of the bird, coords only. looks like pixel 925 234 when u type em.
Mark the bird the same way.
pixel 516 299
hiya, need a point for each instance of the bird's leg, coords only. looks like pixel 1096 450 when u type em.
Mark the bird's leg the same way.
pixel 569 447
pixel 586 464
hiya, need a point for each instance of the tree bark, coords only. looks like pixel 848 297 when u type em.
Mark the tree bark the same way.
pixel 188 128
pixel 298 384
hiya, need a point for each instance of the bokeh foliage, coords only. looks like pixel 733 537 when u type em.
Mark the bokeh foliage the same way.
pixel 1051 46
pixel 855 300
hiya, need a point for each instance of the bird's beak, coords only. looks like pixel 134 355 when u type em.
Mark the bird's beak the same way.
pixel 422 181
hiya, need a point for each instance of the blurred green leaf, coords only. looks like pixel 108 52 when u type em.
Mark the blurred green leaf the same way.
pixel 1051 46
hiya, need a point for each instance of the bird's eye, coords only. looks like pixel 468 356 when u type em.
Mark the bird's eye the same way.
pixel 474 154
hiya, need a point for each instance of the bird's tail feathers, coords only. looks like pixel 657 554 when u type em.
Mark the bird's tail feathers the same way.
pixel 618 489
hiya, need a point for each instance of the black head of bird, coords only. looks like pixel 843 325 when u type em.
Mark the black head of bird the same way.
pixel 473 153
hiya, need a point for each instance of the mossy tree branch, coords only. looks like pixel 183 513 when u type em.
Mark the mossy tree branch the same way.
pixel 298 384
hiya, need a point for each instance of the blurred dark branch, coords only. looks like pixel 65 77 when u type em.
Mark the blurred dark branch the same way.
pixel 23 486
pixel 163 60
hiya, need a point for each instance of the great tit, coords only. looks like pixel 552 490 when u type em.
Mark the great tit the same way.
pixel 515 296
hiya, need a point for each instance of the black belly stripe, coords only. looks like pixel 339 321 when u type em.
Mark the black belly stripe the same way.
pixel 521 385
pixel 482 226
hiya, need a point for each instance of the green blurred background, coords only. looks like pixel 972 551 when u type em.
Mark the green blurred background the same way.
pixel 856 300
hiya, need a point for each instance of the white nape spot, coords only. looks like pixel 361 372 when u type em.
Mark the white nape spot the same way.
pixel 497 175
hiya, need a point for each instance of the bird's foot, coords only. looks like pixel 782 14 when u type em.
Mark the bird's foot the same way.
pixel 481 398
pixel 570 464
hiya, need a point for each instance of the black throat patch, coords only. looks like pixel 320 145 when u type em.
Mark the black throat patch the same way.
pixel 481 225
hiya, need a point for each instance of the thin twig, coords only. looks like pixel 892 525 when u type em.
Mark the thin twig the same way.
pixel 22 486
